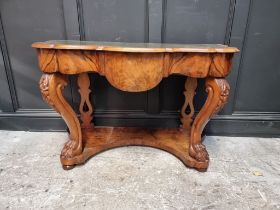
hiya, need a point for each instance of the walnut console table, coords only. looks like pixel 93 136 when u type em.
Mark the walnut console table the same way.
pixel 134 67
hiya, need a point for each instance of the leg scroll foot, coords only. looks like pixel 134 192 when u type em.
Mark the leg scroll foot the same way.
pixel 218 91
pixel 51 86
pixel 199 152
pixel 70 149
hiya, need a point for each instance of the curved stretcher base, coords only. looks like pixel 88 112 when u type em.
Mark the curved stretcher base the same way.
pixel 99 139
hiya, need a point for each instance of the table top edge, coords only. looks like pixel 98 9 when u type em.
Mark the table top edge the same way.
pixel 134 47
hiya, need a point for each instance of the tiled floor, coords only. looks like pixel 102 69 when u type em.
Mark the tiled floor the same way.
pixel 244 173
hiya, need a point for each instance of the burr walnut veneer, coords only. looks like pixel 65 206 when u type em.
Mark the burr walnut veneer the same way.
pixel 134 67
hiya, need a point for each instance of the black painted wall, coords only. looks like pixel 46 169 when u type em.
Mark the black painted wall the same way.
pixel 251 25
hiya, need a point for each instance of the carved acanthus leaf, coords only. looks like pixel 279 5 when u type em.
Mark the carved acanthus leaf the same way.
pixel 45 89
pixel 225 89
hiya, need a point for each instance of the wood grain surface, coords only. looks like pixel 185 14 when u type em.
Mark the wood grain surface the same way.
pixel 134 68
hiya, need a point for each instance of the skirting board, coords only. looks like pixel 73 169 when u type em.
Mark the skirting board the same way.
pixel 225 125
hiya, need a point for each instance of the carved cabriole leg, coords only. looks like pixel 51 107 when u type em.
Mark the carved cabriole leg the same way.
pixel 218 91
pixel 84 89
pixel 51 86
pixel 190 87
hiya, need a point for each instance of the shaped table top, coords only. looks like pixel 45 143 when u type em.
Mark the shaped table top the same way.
pixel 133 47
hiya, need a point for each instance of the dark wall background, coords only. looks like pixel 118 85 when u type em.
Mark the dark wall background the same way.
pixel 251 25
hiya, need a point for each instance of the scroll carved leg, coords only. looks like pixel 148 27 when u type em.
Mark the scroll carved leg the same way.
pixel 51 86
pixel 190 87
pixel 86 115
pixel 218 91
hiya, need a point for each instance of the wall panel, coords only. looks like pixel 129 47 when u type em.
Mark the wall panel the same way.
pixel 25 22
pixel 5 97
pixel 258 82
pixel 250 25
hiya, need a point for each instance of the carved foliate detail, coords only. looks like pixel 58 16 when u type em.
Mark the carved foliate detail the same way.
pixel 190 87
pixel 44 88
pixel 224 89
